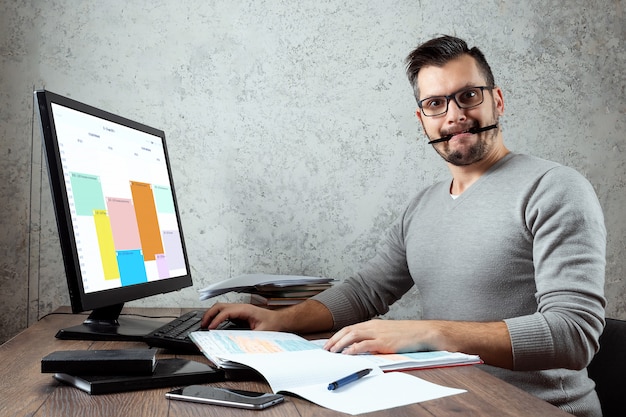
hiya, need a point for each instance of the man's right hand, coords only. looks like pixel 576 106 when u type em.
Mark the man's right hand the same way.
pixel 258 318
pixel 307 317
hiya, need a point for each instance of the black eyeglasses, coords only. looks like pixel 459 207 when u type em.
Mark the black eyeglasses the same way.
pixel 466 99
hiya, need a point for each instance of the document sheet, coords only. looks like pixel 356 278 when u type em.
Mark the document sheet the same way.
pixel 308 373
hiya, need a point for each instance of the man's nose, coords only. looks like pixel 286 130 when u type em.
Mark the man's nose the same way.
pixel 455 113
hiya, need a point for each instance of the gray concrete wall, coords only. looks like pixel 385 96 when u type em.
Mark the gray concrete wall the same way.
pixel 290 124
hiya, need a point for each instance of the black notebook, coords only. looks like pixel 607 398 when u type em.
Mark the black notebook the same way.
pixel 167 373
pixel 100 362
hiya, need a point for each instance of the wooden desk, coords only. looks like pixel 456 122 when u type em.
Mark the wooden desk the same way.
pixel 25 391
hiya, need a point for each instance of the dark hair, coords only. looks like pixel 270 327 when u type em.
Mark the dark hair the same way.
pixel 440 51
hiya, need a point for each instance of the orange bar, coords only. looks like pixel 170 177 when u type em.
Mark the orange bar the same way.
pixel 147 221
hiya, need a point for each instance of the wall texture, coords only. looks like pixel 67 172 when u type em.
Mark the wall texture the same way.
pixel 290 124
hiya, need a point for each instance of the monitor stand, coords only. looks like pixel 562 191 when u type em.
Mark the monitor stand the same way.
pixel 106 324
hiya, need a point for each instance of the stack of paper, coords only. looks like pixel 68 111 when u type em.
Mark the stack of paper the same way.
pixel 272 296
pixel 421 360
pixel 254 282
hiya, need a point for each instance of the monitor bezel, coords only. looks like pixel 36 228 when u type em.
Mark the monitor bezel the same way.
pixel 81 301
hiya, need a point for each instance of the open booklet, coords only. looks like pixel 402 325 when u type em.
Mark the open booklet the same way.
pixel 219 345
pixel 292 364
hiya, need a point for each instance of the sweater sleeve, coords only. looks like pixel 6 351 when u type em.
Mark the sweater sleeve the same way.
pixel 569 242
pixel 370 292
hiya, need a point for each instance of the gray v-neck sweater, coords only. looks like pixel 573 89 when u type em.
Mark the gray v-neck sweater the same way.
pixel 524 244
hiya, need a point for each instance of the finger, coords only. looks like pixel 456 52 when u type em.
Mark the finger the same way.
pixel 215 315
pixel 339 342
pixel 364 346
pixel 334 339
pixel 208 316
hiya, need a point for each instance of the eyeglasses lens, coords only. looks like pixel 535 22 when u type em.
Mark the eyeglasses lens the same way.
pixel 465 99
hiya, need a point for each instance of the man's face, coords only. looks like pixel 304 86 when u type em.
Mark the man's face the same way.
pixel 464 148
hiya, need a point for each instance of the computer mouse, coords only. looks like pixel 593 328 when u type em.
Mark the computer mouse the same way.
pixel 233 324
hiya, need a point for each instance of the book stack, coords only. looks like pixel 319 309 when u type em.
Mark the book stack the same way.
pixel 271 291
pixel 277 296
pixel 118 370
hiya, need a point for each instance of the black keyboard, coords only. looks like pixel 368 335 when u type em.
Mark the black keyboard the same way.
pixel 175 334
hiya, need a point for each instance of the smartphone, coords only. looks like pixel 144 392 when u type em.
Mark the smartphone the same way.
pixel 225 396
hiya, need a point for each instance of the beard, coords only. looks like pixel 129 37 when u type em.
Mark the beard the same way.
pixel 467 154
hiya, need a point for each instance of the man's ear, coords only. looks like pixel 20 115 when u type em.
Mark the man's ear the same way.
pixel 499 100
pixel 419 115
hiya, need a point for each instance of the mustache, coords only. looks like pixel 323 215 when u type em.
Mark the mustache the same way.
pixel 474 129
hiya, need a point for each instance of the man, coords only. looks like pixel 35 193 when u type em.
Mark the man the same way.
pixel 508 255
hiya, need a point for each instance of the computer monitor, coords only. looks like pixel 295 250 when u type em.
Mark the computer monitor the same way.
pixel 118 220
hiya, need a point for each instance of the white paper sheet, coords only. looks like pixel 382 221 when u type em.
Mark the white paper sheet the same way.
pixel 380 392
pixel 308 373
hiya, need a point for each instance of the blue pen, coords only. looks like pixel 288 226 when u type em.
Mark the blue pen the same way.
pixel 347 379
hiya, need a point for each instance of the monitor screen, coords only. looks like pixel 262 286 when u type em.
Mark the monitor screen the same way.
pixel 119 226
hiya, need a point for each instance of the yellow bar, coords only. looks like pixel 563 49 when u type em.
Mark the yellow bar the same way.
pixel 105 242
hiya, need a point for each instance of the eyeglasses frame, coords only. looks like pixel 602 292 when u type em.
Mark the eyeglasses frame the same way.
pixel 453 97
